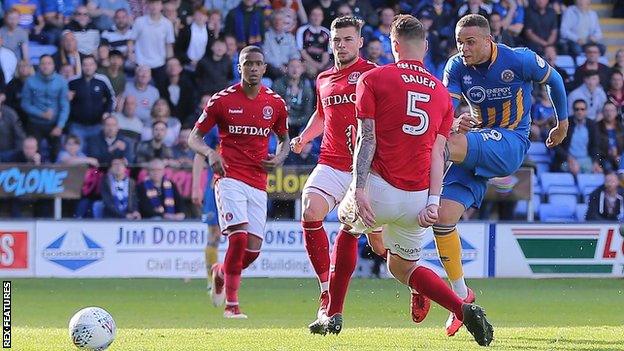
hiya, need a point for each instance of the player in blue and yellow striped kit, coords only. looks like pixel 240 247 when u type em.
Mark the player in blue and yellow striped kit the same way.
pixel 496 81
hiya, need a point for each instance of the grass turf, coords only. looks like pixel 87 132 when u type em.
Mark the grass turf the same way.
pixel 169 314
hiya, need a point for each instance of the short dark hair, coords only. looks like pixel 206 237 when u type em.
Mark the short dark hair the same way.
pixel 154 124
pixel 46 55
pixel 73 137
pixel 115 53
pixel 86 57
pixel 591 72
pixel 589 45
pixel 579 101
pixel 249 49
pixel 408 27
pixel 347 21
pixel 474 21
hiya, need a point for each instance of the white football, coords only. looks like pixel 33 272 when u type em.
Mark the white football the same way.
pixel 92 328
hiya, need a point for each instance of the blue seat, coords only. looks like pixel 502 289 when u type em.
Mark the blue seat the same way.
pixel 557 213
pixel 542 167
pixel 560 179
pixel 332 216
pixel 35 50
pixel 522 207
pixel 581 211
pixel 562 189
pixel 569 200
pixel 567 63
pixel 589 182
pixel 538 148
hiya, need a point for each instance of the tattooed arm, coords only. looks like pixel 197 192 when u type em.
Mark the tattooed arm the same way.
pixel 281 152
pixel 364 151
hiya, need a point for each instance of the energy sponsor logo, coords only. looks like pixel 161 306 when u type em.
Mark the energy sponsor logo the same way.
pixel 73 252
pixel 570 250
pixel 430 254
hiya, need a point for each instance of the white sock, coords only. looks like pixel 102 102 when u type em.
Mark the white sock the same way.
pixel 460 288
pixel 324 286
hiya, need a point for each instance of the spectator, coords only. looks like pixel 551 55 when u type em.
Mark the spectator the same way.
pixel 29 152
pixel 222 6
pixel 591 92
pixel 71 154
pixel 511 14
pixel 102 56
pixel 30 14
pixel 56 15
pixel 298 92
pixel 313 43
pixel 199 109
pixel 162 113
pixel 214 71
pixel 246 24
pixel 108 144
pixel 364 10
pixel 130 126
pixel 619 61
pixel 68 53
pixel 542 116
pixel 610 135
pixel 155 148
pixel 592 53
pixel 374 53
pixel 435 57
pixel 158 196
pixel 120 38
pixel 115 72
pixel 616 91
pixel 145 94
pixel 580 26
pixel 382 33
pixel 475 7
pixel 215 23
pixel 11 134
pixel 178 90
pixel 47 113
pixel 153 40
pixel 499 34
pixel 182 153
pixel 103 11
pixel 550 54
pixel 578 151
pixel 194 40
pixel 170 12
pixel 294 10
pixel 606 203
pixel 279 47
pixel 232 52
pixel 13 36
pixel 86 34
pixel 8 63
pixel 92 100
pixel 541 27
pixel 14 89
pixel 119 192
pixel 443 17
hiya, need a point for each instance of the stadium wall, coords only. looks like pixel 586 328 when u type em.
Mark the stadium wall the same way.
pixel 92 249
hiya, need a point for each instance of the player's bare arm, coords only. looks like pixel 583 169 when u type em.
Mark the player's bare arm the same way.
pixel 557 133
pixel 312 130
pixel 197 195
pixel 197 144
pixel 429 215
pixel 281 152
pixel 464 123
pixel 363 158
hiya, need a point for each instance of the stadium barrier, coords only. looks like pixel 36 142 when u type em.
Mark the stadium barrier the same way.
pixel 91 249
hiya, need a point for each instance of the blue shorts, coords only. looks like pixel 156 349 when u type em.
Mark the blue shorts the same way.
pixel 210 215
pixel 495 152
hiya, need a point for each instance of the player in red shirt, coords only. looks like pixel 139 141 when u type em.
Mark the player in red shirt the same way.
pixel 246 113
pixel 335 119
pixel 405 115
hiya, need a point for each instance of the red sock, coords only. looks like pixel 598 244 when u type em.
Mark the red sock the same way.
pixel 344 260
pixel 233 265
pixel 317 246
pixel 428 283
pixel 249 257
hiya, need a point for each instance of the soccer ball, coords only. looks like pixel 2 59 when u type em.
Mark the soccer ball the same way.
pixel 92 328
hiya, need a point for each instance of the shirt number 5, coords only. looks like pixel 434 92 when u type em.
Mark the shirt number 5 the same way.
pixel 423 124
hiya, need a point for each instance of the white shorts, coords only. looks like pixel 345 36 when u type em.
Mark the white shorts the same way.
pixel 239 203
pixel 396 210
pixel 328 182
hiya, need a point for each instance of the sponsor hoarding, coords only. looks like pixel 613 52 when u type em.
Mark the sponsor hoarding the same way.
pixel 17 241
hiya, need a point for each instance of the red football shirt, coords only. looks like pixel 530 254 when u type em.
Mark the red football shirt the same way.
pixel 410 108
pixel 244 128
pixel 335 103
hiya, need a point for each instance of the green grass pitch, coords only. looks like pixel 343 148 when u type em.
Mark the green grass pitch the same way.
pixel 171 315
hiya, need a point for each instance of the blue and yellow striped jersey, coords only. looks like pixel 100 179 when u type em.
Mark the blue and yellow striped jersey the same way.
pixel 498 92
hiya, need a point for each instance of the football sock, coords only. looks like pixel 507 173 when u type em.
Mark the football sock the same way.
pixel 211 256
pixel 317 246
pixel 344 260
pixel 449 249
pixel 233 265
pixel 427 283
pixel 249 257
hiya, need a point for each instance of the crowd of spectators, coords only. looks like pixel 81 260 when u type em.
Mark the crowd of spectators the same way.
pixel 126 79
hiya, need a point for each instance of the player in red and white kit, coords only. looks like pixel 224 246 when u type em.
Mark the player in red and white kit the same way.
pixel 246 114
pixel 335 119
pixel 404 115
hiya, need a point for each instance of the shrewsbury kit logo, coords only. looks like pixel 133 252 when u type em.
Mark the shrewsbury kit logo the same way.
pixel 73 252
pixel 573 250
